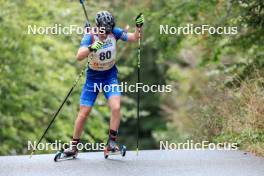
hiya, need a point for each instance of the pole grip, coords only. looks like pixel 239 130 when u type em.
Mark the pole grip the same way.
pixel 139 26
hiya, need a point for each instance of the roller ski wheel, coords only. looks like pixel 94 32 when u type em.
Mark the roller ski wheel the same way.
pixel 123 150
pixel 61 155
pixel 117 151
pixel 106 153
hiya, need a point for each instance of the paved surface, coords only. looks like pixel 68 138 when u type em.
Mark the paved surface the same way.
pixel 148 163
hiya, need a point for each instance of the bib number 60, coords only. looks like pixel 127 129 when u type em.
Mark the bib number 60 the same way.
pixel 105 55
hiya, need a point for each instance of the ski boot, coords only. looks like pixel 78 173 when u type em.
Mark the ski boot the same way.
pixel 68 153
pixel 112 148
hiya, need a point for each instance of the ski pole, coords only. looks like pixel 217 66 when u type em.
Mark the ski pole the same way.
pixel 85 13
pixel 70 91
pixel 138 80
pixel 138 92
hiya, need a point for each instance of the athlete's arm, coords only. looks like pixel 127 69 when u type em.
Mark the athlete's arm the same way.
pixel 87 46
pixel 82 53
pixel 133 37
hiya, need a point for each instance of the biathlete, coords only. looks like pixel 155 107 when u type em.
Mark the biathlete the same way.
pixel 102 71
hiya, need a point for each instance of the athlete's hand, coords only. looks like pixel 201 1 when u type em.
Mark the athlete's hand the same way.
pixel 140 20
pixel 96 46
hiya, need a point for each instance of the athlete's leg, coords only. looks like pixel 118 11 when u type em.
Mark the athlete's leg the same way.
pixel 78 128
pixel 87 100
pixel 80 121
pixel 113 96
pixel 114 104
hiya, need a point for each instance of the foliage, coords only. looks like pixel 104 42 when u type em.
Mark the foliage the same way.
pixel 215 65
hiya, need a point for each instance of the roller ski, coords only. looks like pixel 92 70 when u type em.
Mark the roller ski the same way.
pixel 112 148
pixel 67 154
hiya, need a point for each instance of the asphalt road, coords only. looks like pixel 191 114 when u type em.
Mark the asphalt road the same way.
pixel 147 163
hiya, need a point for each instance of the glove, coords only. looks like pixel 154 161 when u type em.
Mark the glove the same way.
pixel 96 46
pixel 140 20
